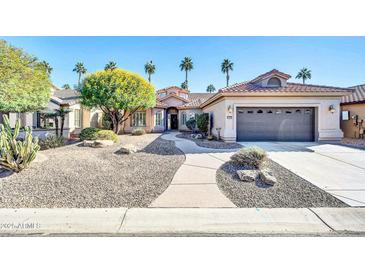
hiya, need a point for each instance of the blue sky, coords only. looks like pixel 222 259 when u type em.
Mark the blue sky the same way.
pixel 336 61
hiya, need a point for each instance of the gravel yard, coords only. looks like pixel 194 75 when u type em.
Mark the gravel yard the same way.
pixel 209 144
pixel 358 143
pixel 77 176
pixel 290 190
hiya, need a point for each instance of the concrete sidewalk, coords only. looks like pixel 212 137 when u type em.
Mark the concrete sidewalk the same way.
pixel 194 183
pixel 184 221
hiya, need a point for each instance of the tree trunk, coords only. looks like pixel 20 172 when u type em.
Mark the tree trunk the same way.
pixel 227 77
pixel 56 124
pixel 149 78
pixel 186 78
pixel 78 85
pixel 62 124
pixel 303 81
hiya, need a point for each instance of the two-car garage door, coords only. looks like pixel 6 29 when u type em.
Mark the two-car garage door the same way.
pixel 275 124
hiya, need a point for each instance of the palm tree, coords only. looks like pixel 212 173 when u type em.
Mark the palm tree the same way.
pixel 187 65
pixel 110 66
pixel 304 74
pixel 61 112
pixel 149 68
pixel 80 70
pixel 66 86
pixel 210 88
pixel 184 85
pixel 48 67
pixel 227 66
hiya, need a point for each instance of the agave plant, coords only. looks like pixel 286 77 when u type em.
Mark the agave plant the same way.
pixel 16 155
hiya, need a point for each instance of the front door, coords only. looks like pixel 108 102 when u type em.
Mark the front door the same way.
pixel 173 121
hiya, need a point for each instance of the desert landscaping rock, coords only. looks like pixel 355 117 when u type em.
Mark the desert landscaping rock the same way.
pixel 208 144
pixel 98 143
pixel 267 177
pixel 289 191
pixel 78 176
pixel 247 175
pixel 127 149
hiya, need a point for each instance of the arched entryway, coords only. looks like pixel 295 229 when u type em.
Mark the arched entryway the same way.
pixel 172 121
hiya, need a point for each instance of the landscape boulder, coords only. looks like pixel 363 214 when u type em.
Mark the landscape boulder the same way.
pixel 247 175
pixel 198 136
pixel 267 177
pixel 127 149
pixel 98 143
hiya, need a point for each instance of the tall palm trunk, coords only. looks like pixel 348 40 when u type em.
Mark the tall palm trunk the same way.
pixel 149 77
pixel 303 81
pixel 62 124
pixel 56 124
pixel 227 78
pixel 78 85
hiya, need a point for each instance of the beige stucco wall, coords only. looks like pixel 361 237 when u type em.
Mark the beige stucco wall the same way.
pixel 173 102
pixel 327 124
pixel 350 131
pixel 149 123
pixel 189 113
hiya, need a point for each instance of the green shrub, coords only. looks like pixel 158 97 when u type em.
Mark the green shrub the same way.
pixel 107 122
pixel 202 122
pixel 16 155
pixel 138 131
pixel 89 133
pixel 51 141
pixel 107 135
pixel 191 124
pixel 251 157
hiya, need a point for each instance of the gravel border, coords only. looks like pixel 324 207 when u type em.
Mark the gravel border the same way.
pixel 209 144
pixel 290 190
pixel 77 176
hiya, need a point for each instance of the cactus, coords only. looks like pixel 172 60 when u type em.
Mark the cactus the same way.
pixel 16 155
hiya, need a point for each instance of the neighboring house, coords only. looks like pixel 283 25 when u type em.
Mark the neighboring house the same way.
pixel 267 108
pixel 355 104
pixel 78 118
pixel 173 108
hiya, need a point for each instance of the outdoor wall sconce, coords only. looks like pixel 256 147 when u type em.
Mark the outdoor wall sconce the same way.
pixel 229 109
pixel 332 109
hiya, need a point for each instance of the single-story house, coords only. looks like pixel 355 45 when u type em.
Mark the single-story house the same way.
pixel 353 110
pixel 267 108
pixel 78 118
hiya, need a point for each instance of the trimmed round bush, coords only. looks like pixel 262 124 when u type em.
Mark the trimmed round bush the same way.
pixel 89 133
pixel 251 157
pixel 51 141
pixel 107 135
pixel 202 122
pixel 138 131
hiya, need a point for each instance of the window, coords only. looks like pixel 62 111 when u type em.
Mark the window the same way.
pixel 139 119
pixel 274 82
pixel 77 118
pixel 183 118
pixel 45 120
pixel 159 118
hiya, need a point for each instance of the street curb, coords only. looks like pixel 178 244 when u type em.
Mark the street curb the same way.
pixel 182 222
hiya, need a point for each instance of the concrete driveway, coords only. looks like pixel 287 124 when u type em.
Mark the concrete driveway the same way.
pixel 337 169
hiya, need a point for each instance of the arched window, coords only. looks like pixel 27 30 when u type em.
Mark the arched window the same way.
pixel 274 82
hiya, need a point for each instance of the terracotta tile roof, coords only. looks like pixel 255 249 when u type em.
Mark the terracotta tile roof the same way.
pixel 171 87
pixel 249 87
pixel 357 96
pixel 196 99
pixel 269 73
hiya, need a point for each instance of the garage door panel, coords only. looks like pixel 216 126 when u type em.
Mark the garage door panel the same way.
pixel 275 124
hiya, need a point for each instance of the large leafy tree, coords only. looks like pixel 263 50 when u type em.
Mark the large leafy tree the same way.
pixel 149 68
pixel 304 74
pixel 80 70
pixel 110 66
pixel 226 67
pixel 24 81
pixel 210 88
pixel 118 93
pixel 186 65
